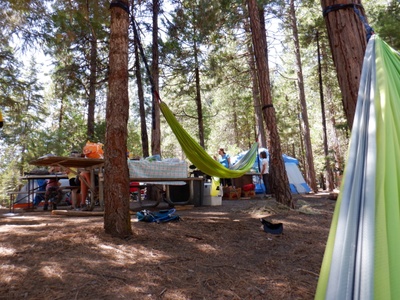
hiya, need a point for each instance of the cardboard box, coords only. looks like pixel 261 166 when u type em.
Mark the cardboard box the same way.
pixel 231 193
pixel 249 194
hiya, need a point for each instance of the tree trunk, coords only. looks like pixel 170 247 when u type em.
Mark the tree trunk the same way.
pixel 156 131
pixel 117 220
pixel 309 168
pixel 347 38
pixel 142 111
pixel 93 69
pixel 198 97
pixel 328 169
pixel 338 162
pixel 92 87
pixel 278 175
pixel 260 132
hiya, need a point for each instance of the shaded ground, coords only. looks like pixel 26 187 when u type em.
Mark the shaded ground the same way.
pixel 218 252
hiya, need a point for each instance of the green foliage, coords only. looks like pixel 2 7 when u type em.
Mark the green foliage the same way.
pixel 385 20
pixel 208 37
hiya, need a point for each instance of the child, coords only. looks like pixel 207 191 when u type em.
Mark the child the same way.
pixel 52 190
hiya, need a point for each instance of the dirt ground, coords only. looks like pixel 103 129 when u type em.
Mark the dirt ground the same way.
pixel 215 252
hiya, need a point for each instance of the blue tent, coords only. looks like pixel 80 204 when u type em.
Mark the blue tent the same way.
pixel 296 180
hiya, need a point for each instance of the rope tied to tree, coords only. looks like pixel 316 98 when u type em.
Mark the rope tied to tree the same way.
pixel 120 4
pixel 369 30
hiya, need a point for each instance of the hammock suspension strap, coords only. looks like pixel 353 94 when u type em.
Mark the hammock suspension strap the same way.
pixel 356 7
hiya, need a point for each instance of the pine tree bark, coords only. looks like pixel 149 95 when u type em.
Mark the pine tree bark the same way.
pixel 328 169
pixel 199 105
pixel 259 122
pixel 117 220
pixel 347 38
pixel 92 69
pixel 142 110
pixel 156 129
pixel 309 168
pixel 92 88
pixel 279 180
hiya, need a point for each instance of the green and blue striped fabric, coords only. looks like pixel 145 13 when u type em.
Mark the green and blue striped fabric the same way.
pixel 362 255
pixel 200 158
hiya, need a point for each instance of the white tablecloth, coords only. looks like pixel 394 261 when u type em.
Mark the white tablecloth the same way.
pixel 157 169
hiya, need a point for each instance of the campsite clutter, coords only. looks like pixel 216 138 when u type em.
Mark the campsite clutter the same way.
pixel 231 193
pixel 93 150
pixel 297 182
pixel 249 190
pixel 247 183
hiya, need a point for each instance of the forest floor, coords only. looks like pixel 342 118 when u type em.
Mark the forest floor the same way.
pixel 214 252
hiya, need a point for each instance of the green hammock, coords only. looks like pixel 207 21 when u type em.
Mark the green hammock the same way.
pixel 361 258
pixel 200 158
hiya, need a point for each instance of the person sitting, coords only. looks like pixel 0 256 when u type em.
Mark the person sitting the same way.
pixel 53 190
pixel 73 178
pixel 85 183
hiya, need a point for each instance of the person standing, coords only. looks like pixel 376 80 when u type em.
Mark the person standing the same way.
pixel 265 171
pixel 225 160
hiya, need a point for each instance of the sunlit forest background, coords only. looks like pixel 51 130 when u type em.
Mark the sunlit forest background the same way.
pixel 54 74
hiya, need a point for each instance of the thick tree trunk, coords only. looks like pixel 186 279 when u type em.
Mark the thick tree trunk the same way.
pixel 259 130
pixel 309 168
pixel 279 179
pixel 117 220
pixel 347 37
pixel 156 130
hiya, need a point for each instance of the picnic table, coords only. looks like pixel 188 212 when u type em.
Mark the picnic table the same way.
pixel 195 186
pixel 88 164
